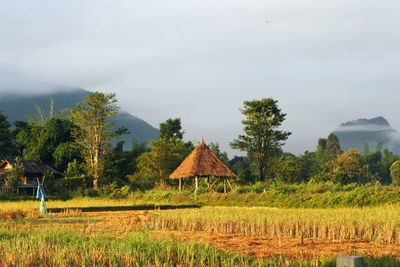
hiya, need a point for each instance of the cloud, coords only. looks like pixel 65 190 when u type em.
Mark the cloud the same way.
pixel 325 61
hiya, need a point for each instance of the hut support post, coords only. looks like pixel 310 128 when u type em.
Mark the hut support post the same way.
pixel 197 185
pixel 211 187
pixel 208 182
pixel 229 183
pixel 180 184
pixel 224 185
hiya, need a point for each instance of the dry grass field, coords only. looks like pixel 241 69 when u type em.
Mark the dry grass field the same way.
pixel 214 236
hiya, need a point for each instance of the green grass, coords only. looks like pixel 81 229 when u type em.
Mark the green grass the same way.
pixel 53 241
pixel 49 248
pixel 305 195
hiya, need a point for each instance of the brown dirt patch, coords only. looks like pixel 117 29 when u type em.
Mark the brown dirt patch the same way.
pixel 123 222
pixel 266 246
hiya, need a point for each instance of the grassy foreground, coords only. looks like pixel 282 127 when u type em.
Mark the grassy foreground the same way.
pixel 28 239
pixel 23 244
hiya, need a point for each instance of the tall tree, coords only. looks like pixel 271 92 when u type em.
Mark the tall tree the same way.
pixel 395 172
pixel 164 157
pixel 347 168
pixel 5 137
pixel 49 142
pixel 262 137
pixel 223 156
pixel 93 116
pixel 333 145
pixel 171 129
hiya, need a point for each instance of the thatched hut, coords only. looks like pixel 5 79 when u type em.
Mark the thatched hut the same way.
pixel 202 162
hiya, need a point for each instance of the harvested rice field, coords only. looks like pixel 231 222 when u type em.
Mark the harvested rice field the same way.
pixel 211 236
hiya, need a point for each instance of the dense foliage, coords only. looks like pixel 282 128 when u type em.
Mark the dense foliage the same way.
pixel 77 144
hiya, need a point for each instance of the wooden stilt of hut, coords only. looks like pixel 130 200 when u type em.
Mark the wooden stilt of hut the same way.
pixel 202 162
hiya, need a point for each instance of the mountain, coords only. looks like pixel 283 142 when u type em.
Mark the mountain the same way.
pixel 354 134
pixel 17 106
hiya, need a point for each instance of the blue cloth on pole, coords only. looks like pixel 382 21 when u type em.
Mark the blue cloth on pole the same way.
pixel 39 192
pixel 42 207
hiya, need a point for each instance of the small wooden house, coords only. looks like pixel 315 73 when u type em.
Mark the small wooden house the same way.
pixel 33 171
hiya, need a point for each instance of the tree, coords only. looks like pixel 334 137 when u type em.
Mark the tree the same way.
pixel 120 163
pixel 261 139
pixel 388 159
pixel 93 116
pixel 16 173
pixel 333 145
pixel 163 158
pixel 49 142
pixel 171 128
pixel 5 137
pixel 223 156
pixel 348 167
pixel 395 172
pixel 290 169
pixel 18 148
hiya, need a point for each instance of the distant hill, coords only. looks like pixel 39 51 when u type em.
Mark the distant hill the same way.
pixel 354 134
pixel 17 106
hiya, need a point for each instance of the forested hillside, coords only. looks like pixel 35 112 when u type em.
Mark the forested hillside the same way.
pixel 17 106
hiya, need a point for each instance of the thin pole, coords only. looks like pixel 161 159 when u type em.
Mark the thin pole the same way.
pixel 197 186
pixel 229 183
pixel 180 184
pixel 225 186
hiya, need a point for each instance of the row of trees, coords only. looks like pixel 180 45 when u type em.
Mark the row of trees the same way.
pixel 78 143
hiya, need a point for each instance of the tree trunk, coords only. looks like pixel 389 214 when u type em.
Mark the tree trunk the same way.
pixel 95 169
pixel 261 167
pixel 262 173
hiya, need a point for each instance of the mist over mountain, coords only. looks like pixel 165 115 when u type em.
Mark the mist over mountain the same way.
pixel 354 134
pixel 17 106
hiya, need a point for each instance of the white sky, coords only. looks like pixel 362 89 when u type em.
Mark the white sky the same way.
pixel 326 62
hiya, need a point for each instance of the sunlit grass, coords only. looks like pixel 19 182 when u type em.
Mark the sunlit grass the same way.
pixel 378 224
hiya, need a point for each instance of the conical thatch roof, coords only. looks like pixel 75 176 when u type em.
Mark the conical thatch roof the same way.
pixel 202 162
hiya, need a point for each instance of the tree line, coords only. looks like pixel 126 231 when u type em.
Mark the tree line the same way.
pixel 77 143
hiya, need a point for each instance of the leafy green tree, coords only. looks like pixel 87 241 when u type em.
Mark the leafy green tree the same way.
pixel 49 142
pixel 262 137
pixel 223 156
pixel 18 148
pixel 348 167
pixel 74 170
pixel 119 163
pixel 15 175
pixel 321 144
pixel 93 116
pixel 5 138
pixel 387 160
pixel 395 172
pixel 333 145
pixel 244 167
pixel 171 129
pixel 290 169
pixel 373 165
pixel 163 158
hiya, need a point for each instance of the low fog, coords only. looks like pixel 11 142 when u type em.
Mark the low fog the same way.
pixel 325 62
